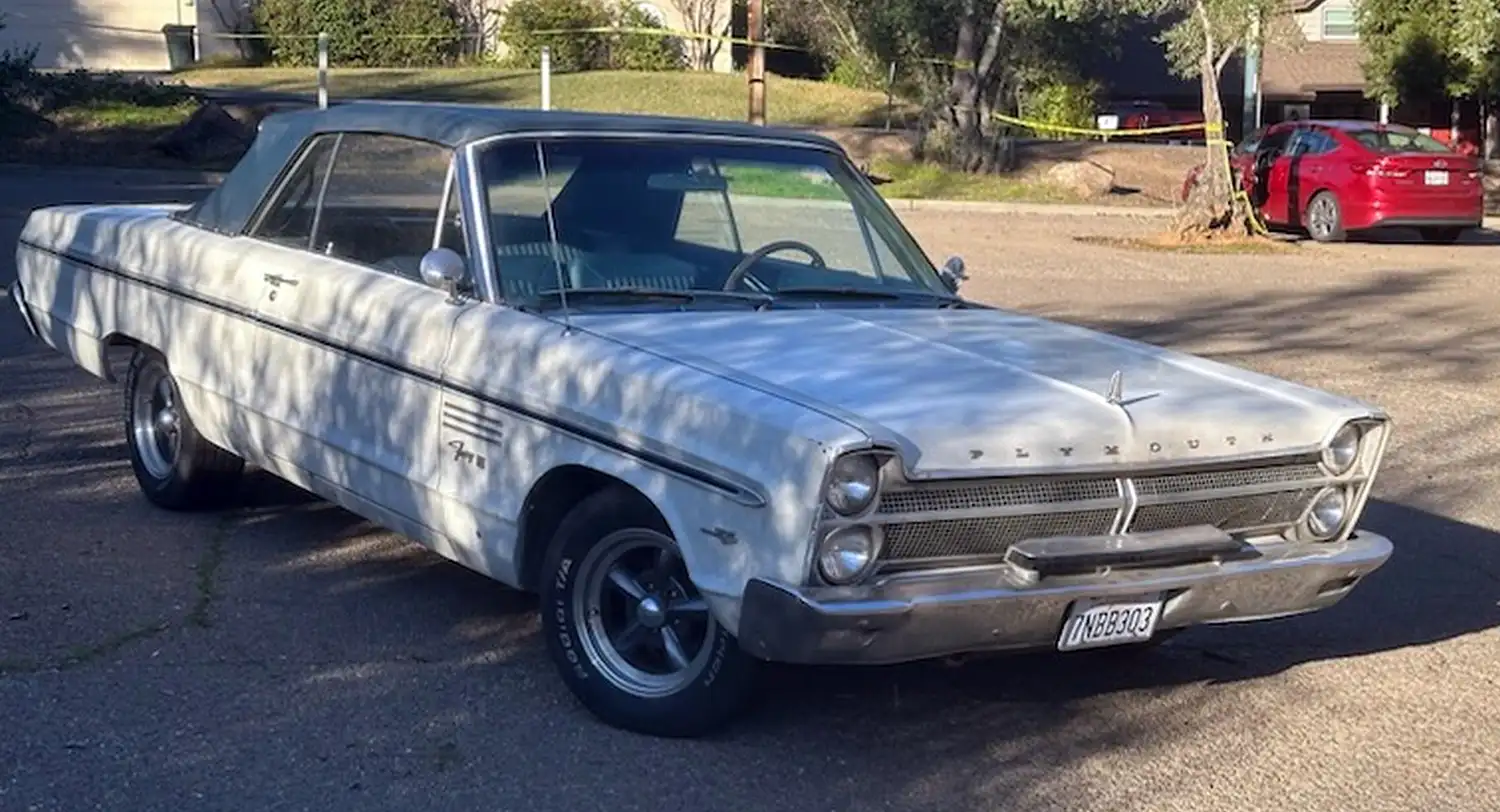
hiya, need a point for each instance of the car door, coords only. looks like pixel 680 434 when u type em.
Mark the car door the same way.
pixel 1271 174
pixel 1308 169
pixel 352 355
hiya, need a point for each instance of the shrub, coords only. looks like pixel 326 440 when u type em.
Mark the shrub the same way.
pixel 645 52
pixel 361 33
pixel 1063 103
pixel 570 52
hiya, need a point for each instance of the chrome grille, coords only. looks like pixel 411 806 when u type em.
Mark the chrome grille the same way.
pixel 928 521
pixel 1230 513
pixel 1197 481
pixel 957 538
pixel 999 494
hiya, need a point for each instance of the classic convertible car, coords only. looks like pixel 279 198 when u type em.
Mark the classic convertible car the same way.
pixel 695 385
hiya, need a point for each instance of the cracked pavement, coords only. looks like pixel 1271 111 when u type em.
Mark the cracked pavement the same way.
pixel 284 654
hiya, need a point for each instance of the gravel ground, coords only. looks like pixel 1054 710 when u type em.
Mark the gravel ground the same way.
pixel 286 655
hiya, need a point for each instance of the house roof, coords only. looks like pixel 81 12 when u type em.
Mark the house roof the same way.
pixel 1300 72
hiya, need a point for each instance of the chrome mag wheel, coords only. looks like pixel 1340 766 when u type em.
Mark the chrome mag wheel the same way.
pixel 644 626
pixel 156 421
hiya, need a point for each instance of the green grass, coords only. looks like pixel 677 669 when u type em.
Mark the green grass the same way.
pixel 122 115
pixel 674 93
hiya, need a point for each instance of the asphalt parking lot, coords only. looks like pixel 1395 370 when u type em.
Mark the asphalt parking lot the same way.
pixel 286 655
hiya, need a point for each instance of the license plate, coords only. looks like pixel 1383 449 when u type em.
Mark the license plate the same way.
pixel 1109 622
pixel 1437 177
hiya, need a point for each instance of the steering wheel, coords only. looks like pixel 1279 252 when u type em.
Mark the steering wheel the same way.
pixel 737 275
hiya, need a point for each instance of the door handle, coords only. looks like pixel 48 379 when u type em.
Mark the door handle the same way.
pixel 278 280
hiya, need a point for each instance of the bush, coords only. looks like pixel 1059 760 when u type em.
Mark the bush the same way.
pixel 1063 103
pixel 594 50
pixel 646 52
pixel 362 33
pixel 570 52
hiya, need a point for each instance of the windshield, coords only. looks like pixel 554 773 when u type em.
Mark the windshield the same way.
pixel 1398 141
pixel 695 216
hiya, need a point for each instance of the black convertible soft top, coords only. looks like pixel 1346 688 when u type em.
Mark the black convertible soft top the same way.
pixel 228 208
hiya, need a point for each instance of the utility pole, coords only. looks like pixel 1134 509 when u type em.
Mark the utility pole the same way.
pixel 757 67
pixel 1250 112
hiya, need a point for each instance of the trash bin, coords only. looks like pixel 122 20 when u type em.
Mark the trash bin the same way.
pixel 179 45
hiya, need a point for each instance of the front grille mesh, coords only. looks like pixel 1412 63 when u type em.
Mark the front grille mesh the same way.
pixel 1051 507
pixel 956 538
pixel 1231 513
pixel 1198 481
pixel 1017 493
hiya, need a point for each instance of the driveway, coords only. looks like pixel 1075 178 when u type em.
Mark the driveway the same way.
pixel 287 655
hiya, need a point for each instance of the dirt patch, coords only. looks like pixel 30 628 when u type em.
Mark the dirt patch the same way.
pixel 1173 243
pixel 1152 172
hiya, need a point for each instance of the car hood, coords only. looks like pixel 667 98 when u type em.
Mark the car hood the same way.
pixel 964 392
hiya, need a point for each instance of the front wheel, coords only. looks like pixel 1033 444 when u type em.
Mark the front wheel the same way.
pixel 632 637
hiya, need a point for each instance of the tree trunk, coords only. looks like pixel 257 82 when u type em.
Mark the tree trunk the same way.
pixel 1212 206
pixel 962 125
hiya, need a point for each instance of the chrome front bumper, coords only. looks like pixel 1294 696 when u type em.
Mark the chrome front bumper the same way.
pixel 20 302
pixel 920 616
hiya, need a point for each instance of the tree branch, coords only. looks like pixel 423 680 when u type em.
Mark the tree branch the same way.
pixel 1227 55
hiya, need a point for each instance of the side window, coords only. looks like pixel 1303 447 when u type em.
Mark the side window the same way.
pixel 382 204
pixel 289 218
pixel 1250 143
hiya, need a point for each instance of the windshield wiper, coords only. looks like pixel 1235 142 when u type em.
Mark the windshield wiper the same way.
pixel 849 292
pixel 639 294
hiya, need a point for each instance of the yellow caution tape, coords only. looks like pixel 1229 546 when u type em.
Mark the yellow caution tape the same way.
pixel 665 32
pixel 1038 125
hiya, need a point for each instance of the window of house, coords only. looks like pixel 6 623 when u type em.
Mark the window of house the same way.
pixel 1338 23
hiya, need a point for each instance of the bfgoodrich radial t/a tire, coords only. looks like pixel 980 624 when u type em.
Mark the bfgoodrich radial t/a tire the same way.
pixel 176 467
pixel 628 631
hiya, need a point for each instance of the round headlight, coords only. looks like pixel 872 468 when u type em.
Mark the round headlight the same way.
pixel 1327 514
pixel 852 485
pixel 1340 454
pixel 846 554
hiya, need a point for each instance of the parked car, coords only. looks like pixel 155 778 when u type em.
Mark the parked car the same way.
pixel 695 385
pixel 1146 115
pixel 1335 178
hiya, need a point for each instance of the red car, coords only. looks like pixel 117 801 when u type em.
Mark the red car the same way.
pixel 1336 177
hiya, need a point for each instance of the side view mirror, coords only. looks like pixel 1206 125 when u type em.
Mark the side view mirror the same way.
pixel 953 273
pixel 444 269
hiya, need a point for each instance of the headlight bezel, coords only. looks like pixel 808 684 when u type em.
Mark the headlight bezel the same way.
pixel 873 538
pixel 1356 432
pixel 1335 529
pixel 872 477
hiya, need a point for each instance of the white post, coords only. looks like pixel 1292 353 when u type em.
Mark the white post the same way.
pixel 1385 113
pixel 546 78
pixel 323 71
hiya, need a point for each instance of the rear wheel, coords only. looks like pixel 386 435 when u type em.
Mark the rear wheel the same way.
pixel 1325 218
pixel 176 467
pixel 632 637
pixel 1441 234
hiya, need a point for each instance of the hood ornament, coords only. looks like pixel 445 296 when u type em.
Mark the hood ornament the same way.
pixel 1116 392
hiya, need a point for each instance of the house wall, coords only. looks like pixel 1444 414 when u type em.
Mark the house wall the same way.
pixel 94 34
pixel 1312 21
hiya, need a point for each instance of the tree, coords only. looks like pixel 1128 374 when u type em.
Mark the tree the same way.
pixel 1425 50
pixel 1204 37
pixel 706 19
